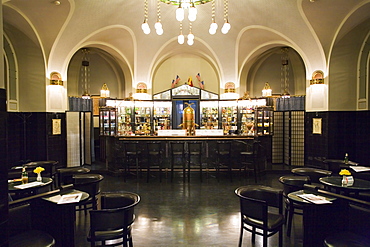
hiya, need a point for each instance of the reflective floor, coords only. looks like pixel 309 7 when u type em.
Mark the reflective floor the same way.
pixel 190 213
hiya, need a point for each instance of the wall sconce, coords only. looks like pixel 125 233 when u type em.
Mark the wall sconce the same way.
pixel 266 91
pixel 317 77
pixel 104 91
pixel 141 91
pixel 229 91
pixel 56 79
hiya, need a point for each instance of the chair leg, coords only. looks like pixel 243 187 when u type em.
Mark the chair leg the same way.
pixel 172 161
pixel 281 237
pixel 265 239
pixel 241 235
pixel 160 169
pixel 200 168
pixel 189 157
pixel 290 220
pixel 183 168
pixel 148 171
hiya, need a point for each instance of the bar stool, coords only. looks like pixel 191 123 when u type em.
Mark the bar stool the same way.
pixel 195 151
pixel 132 153
pixel 177 151
pixel 154 155
pixel 224 158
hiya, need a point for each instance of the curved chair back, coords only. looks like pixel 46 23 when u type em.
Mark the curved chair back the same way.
pixel 107 224
pixel 125 200
pixel 314 173
pixel 293 183
pixel 89 183
pixel 115 218
pixel 255 201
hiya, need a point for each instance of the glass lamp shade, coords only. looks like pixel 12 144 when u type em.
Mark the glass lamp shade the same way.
pixel 192 13
pixel 158 25
pixel 190 41
pixel 180 14
pixel 159 31
pixel 181 39
pixel 226 27
pixel 191 36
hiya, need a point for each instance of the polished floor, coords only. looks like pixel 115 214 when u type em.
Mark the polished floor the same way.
pixel 188 213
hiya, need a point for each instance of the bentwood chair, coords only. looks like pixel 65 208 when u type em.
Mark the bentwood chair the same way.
pixel 314 173
pixel 257 216
pixel 114 221
pixel 290 184
pixel 89 183
pixel 357 233
pixel 22 233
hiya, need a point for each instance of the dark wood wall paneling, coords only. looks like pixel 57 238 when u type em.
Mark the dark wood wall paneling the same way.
pixel 3 170
pixel 34 129
pixel 342 132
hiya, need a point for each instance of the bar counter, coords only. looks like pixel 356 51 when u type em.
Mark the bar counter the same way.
pixel 113 147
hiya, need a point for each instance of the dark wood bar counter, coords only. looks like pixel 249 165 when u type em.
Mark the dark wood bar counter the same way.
pixel 116 157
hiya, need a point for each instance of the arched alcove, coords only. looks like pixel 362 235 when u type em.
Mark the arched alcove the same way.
pixel 103 69
pixel 185 66
pixel 282 68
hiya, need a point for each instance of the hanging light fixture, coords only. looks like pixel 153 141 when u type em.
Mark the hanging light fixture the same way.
pixel 181 38
pixel 190 36
pixel 145 26
pixel 158 25
pixel 285 72
pixel 213 26
pixel 226 27
pixel 182 7
pixel 85 74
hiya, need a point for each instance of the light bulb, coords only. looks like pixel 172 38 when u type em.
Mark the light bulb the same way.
pixel 190 41
pixel 180 14
pixel 181 39
pixel 190 36
pixel 159 31
pixel 225 28
pixel 145 27
pixel 147 30
pixel 158 25
pixel 192 13
pixel 213 25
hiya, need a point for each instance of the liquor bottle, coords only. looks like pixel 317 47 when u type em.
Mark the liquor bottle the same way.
pixel 24 176
pixel 346 158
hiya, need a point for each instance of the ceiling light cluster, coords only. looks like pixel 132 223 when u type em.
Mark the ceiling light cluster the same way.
pixel 190 7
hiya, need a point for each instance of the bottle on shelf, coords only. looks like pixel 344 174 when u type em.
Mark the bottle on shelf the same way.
pixel 24 176
pixel 346 158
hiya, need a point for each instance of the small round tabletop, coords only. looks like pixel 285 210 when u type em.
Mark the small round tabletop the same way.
pixel 336 182
pixel 295 196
